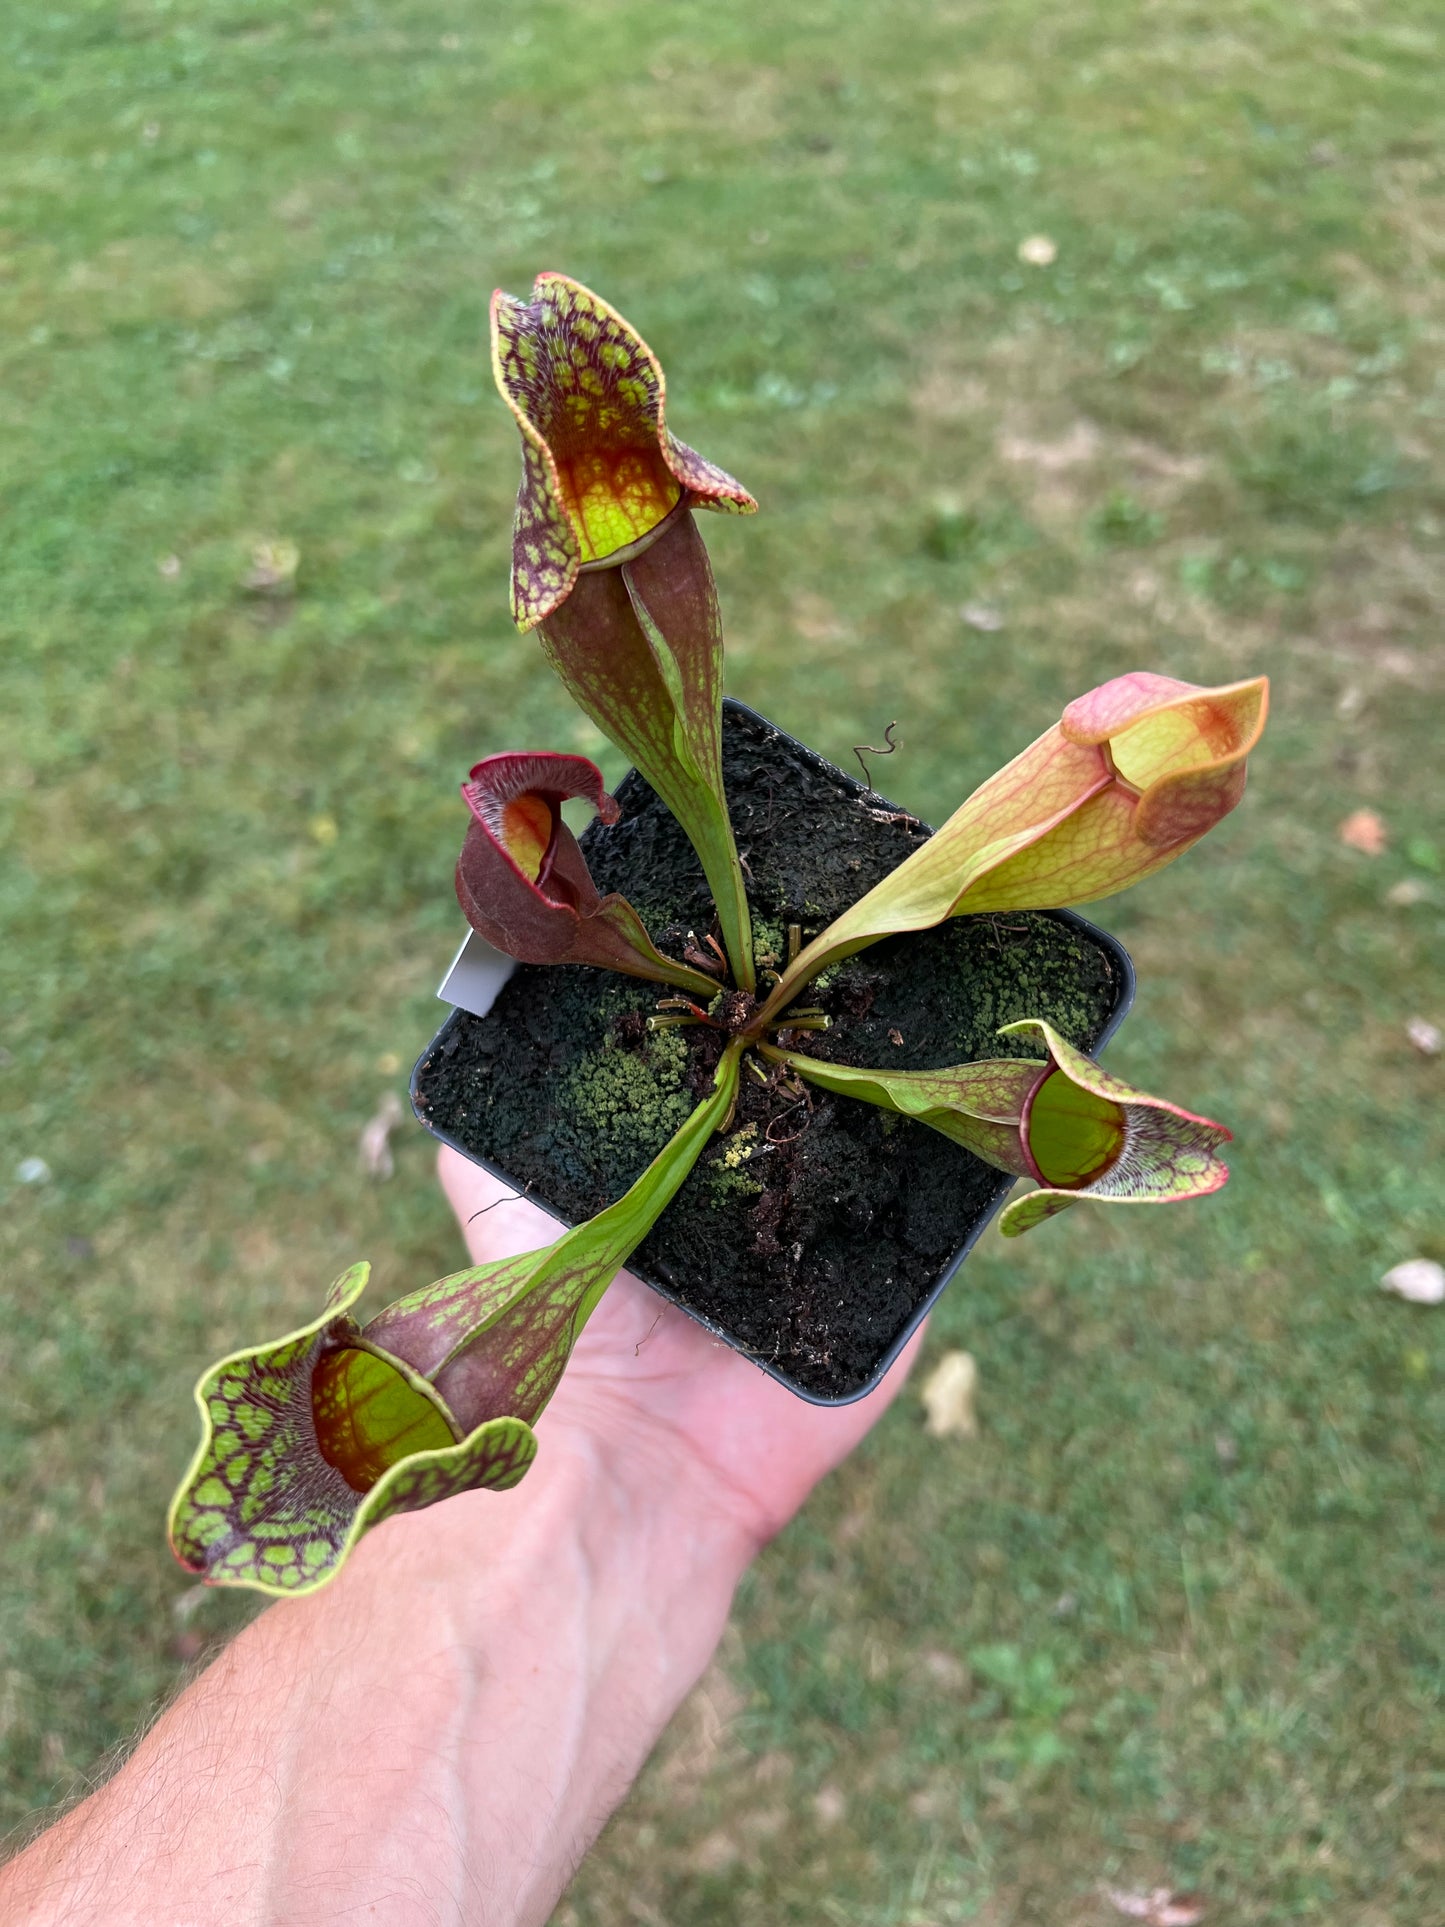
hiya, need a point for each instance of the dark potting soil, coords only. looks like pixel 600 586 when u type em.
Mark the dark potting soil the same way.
pixel 812 1233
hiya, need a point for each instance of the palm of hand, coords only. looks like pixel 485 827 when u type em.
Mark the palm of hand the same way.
pixel 648 1383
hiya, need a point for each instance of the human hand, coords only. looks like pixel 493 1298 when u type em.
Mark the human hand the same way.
pixel 662 1398
pixel 446 1728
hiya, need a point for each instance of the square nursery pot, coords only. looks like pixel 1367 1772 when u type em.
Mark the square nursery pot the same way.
pixel 814 1237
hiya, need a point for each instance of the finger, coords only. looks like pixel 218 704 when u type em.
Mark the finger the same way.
pixel 495 1220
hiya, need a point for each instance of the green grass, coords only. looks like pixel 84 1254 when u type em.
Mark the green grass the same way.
pixel 1175 1617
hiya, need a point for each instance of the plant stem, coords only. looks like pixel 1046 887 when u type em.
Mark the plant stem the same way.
pixel 785 990
pixel 720 865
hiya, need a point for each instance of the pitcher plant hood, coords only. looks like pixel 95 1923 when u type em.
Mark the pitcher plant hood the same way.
pixel 1063 1120
pixel 601 470
pixel 523 882
pixel 310 1441
pixel 1129 778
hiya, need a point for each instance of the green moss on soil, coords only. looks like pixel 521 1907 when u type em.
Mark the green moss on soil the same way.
pixel 726 1167
pixel 770 943
pixel 637 1094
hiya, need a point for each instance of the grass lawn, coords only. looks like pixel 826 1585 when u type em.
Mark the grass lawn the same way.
pixel 1175 1617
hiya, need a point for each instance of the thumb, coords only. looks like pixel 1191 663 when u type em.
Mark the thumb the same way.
pixel 496 1221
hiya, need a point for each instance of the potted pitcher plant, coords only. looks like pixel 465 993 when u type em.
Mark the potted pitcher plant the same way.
pixel 757 1030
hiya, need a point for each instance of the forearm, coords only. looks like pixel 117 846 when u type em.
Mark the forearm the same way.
pixel 436 1738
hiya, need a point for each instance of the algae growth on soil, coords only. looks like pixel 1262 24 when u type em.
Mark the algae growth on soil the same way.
pixel 811 1233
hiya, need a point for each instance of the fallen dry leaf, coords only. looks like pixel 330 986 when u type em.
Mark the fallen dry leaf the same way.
pixel 1364 831
pixel 829 1805
pixel 374 1149
pixel 187 1643
pixel 1039 251
pixel 948 1394
pixel 1160 1907
pixel 1350 702
pixel 716 1853
pixel 1419 1280
pixel 1081 444
pixel 946 1668
pixel 273 569
pixel 1425 1036
pixel 982 615
pixel 703 1735
pixel 1164 462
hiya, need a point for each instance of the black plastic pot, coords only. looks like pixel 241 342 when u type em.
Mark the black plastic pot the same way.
pixel 820 1268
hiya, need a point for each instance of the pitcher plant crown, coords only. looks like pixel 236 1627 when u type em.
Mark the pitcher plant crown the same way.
pixel 310 1441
